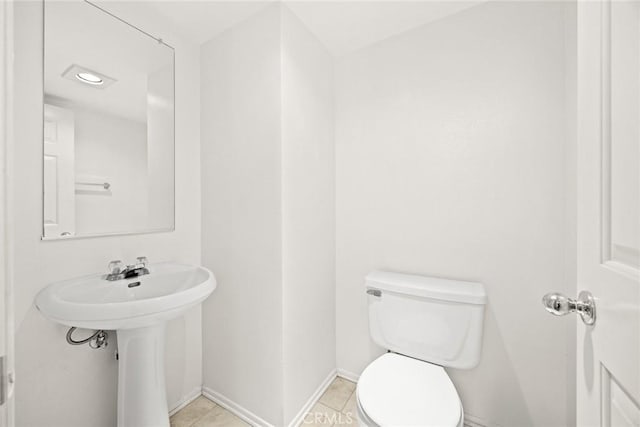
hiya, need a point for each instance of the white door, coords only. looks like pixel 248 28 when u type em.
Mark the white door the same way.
pixel 608 352
pixel 59 172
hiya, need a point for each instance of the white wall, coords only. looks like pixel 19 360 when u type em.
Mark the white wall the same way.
pixel 450 161
pixel 268 215
pixel 308 214
pixel 241 214
pixel 61 385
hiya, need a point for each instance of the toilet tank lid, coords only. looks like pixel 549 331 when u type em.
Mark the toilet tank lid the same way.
pixel 427 287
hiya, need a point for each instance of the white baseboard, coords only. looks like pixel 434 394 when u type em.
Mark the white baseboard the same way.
pixel 348 375
pixel 297 420
pixel 193 395
pixel 234 408
pixel 254 419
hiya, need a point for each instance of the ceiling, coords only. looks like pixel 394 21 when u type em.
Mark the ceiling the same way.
pixel 342 26
pixel 199 21
pixel 345 26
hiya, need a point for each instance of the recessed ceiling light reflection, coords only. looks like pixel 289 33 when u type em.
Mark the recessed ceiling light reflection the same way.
pixel 89 78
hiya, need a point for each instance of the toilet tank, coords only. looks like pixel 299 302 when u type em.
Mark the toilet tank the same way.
pixel 432 319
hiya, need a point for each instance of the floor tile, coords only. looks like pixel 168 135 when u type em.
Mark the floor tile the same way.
pixel 220 417
pixel 191 413
pixel 337 394
pixel 336 407
pixel 347 420
pixel 350 406
pixel 321 416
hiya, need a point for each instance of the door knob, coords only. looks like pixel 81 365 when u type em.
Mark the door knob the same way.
pixel 559 305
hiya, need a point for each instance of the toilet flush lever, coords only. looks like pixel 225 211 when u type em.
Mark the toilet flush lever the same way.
pixel 374 292
pixel 559 305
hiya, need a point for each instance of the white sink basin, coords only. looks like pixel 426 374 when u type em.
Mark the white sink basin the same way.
pixel 138 309
pixel 95 303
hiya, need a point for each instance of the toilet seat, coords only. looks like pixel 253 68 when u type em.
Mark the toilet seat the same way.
pixel 396 390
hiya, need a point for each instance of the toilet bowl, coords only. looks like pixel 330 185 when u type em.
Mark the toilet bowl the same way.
pixel 396 390
pixel 426 324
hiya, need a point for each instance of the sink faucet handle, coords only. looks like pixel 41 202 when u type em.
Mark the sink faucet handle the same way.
pixel 142 260
pixel 115 267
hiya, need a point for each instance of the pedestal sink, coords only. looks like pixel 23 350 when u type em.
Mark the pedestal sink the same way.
pixel 138 309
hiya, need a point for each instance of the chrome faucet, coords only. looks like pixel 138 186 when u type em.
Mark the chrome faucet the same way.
pixel 116 272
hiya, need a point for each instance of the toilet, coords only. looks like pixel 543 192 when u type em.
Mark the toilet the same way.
pixel 426 324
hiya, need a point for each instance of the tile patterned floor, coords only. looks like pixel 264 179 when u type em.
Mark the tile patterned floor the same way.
pixel 336 407
pixel 204 413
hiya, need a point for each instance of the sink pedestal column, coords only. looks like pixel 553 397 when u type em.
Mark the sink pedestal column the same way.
pixel 142 400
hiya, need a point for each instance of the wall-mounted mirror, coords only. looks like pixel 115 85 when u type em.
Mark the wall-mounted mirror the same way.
pixel 108 125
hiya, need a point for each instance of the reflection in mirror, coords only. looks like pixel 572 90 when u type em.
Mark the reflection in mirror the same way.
pixel 108 125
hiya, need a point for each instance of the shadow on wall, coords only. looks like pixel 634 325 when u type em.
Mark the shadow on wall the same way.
pixel 494 350
pixel 176 338
pixel 59 385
